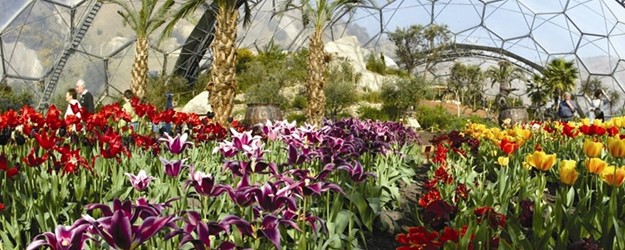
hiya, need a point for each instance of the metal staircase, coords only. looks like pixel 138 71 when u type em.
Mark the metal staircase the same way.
pixel 76 38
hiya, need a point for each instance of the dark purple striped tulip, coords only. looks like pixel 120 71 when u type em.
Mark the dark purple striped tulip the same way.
pixel 176 145
pixel 173 168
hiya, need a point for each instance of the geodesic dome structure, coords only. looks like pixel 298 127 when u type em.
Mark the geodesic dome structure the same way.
pixel 43 41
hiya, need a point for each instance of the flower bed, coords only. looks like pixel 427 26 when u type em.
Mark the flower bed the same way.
pixel 538 186
pixel 89 184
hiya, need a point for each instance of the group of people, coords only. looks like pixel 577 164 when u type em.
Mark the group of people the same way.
pixel 79 97
pixel 567 111
pixel 75 105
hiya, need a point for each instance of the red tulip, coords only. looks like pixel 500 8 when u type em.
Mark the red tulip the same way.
pixel 32 160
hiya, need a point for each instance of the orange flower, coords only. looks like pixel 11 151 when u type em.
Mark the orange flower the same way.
pixel 592 149
pixel 568 174
pixel 595 165
pixel 508 147
pixel 541 160
pixel 613 176
pixel 616 147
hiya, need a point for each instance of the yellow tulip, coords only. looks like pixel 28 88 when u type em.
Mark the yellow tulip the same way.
pixel 541 160
pixel 568 174
pixel 592 149
pixel 613 176
pixel 616 147
pixel 503 161
pixel 595 165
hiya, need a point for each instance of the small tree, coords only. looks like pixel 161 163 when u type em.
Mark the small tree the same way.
pixel 418 43
pixel 341 91
pixel 467 83
pixel 401 95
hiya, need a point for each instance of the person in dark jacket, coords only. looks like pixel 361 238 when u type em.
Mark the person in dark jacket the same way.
pixel 566 109
pixel 86 99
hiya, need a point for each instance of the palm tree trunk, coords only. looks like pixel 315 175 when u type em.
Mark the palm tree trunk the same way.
pixel 316 81
pixel 139 72
pixel 223 72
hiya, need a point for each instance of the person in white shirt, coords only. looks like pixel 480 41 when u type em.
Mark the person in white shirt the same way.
pixel 595 111
pixel 73 106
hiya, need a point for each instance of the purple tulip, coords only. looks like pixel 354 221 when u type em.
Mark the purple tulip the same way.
pixel 244 138
pixel 204 184
pixel 226 149
pixel 173 168
pixel 176 145
pixel 119 232
pixel 270 131
pixel 141 181
pixel 270 198
pixel 194 225
pixel 356 172
pixel 64 238
pixel 239 168
pixel 272 232
pixel 243 195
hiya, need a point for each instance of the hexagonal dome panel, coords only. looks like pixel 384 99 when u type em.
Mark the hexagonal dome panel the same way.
pixel 35 35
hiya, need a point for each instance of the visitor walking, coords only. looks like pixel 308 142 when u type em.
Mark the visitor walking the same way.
pixel 127 107
pixel 86 99
pixel 73 106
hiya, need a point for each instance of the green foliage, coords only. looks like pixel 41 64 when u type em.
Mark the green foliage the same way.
pixel 367 112
pixel 401 95
pixel 159 86
pixel 376 64
pixel 371 96
pixel 340 89
pixel 270 71
pixel 299 102
pixel 267 92
pixel 438 119
pixel 12 100
pixel 467 84
pixel 299 118
pixel 418 42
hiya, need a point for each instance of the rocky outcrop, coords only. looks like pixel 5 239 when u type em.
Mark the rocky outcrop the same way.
pixel 349 48
pixel 199 104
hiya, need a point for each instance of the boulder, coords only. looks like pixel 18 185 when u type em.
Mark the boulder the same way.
pixel 349 48
pixel 199 104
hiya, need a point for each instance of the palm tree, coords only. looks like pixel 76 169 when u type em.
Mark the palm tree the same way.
pixel 320 13
pixel 223 69
pixel 144 22
pixel 559 77
pixel 538 95
pixel 504 74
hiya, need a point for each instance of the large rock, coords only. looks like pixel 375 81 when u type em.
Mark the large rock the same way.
pixel 199 104
pixel 349 48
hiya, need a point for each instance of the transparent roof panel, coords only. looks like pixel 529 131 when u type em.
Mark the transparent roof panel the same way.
pixel 34 34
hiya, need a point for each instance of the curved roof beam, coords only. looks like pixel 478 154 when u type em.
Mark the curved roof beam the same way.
pixel 458 50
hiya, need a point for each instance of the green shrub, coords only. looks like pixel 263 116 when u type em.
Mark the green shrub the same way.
pixel 299 102
pixel 367 112
pixel 371 97
pixel 299 118
pixel 402 94
pixel 12 100
pixel 340 89
pixel 159 86
pixel 266 93
pixel 376 64
pixel 438 119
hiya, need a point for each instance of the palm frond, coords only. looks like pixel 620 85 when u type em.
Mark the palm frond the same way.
pixel 185 10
